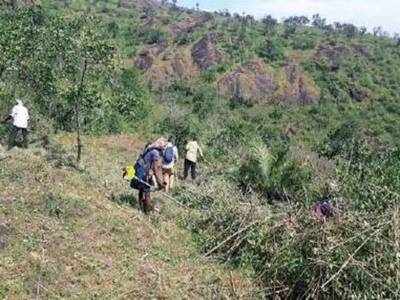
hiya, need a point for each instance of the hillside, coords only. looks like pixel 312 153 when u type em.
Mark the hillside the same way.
pixel 291 115
pixel 68 233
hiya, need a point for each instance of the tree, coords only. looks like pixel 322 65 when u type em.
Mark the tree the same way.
pixel 318 22
pixel 56 61
pixel 396 39
pixel 363 30
pixel 272 50
pixel 89 55
pixel 378 31
pixel 347 29
pixel 292 23
pixel 270 24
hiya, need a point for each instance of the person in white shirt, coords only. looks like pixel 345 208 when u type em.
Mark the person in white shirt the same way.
pixel 20 117
pixel 192 150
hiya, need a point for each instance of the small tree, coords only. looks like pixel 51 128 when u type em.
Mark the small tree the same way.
pixel 396 39
pixel 270 24
pixel 292 23
pixel 55 61
pixel 89 55
pixel 272 50
pixel 318 22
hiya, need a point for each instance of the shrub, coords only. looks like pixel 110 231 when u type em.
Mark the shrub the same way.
pixel 272 50
pixel 273 172
pixel 153 36
pixel 204 101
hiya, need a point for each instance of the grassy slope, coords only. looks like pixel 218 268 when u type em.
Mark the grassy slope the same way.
pixel 68 233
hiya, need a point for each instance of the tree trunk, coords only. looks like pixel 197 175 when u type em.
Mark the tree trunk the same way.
pixel 78 115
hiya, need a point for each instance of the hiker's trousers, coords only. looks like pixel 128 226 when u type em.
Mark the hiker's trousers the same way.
pixel 190 166
pixel 18 136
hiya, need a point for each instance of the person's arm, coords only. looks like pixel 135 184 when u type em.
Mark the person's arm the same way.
pixel 176 153
pixel 200 151
pixel 10 116
pixel 7 119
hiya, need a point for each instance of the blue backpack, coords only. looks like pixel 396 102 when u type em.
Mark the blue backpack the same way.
pixel 142 168
pixel 169 155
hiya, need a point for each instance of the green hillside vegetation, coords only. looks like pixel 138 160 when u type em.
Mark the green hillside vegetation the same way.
pixel 288 112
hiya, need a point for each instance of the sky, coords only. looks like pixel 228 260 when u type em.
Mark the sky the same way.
pixel 368 13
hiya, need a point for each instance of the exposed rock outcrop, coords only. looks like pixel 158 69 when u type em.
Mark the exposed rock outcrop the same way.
pixel 251 83
pixel 205 53
pixel 177 65
pixel 332 55
pixel 297 87
pixel 256 83
pixel 139 3
pixel 147 56
pixel 189 25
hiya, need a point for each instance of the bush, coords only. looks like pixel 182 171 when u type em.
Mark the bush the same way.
pixel 182 128
pixel 153 36
pixel 273 172
pixel 204 101
pixel 272 50
pixel 370 179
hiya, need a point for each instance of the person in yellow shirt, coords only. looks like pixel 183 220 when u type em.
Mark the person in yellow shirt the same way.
pixel 192 151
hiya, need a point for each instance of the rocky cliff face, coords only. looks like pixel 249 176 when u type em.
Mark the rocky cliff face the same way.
pixel 251 83
pixel 172 65
pixel 256 83
pixel 146 57
pixel 139 3
pixel 205 53
pixel 298 88
pixel 188 25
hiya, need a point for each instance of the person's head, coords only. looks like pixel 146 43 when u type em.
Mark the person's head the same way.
pixel 19 102
pixel 171 139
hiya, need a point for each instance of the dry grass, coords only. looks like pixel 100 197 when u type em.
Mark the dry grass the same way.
pixel 63 236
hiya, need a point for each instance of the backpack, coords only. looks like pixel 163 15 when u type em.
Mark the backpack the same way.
pixel 168 155
pixel 142 168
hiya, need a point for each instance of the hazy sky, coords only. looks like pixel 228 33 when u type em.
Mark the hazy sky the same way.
pixel 369 13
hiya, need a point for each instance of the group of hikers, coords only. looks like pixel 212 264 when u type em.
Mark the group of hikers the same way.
pixel 155 169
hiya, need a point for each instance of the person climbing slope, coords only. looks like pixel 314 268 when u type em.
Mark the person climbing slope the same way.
pixel 192 151
pixel 170 157
pixel 148 175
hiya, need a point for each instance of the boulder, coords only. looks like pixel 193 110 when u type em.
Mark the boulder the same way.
pixel 205 53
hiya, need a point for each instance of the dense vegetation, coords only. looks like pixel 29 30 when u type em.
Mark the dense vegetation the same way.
pixel 289 113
